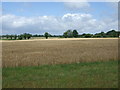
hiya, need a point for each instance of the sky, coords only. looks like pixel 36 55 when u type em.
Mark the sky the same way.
pixel 57 17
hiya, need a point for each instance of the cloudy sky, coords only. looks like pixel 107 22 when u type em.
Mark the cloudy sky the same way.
pixel 57 17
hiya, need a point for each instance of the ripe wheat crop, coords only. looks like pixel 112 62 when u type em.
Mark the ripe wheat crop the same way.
pixel 35 53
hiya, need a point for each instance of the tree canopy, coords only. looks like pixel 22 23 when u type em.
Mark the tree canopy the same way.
pixel 46 35
pixel 66 34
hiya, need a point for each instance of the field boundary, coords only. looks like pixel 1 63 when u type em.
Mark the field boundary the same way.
pixel 55 39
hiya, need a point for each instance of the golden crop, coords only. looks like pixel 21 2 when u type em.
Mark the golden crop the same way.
pixel 40 52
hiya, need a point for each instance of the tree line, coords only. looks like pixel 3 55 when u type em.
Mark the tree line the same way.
pixel 74 33
pixel 17 37
pixel 67 34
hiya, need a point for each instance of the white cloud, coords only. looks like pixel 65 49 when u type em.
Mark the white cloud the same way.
pixel 84 23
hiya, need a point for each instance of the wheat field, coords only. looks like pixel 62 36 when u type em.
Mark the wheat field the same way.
pixel 41 52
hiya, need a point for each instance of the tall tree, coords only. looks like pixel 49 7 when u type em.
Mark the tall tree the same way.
pixel 28 36
pixel 15 36
pixel 46 35
pixel 75 33
pixel 65 34
pixel 112 33
pixel 7 36
pixel 25 35
pixel 20 37
pixel 11 37
pixel 102 34
pixel 69 33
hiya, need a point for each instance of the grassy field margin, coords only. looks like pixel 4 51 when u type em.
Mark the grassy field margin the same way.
pixel 76 75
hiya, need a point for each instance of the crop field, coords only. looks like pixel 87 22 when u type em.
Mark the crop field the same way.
pixel 35 53
pixel 60 63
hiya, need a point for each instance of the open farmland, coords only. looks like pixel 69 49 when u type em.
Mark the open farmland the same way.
pixel 60 63
pixel 40 52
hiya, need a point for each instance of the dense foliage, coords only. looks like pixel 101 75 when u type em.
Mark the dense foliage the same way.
pixel 67 34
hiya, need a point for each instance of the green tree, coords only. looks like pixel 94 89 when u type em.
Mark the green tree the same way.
pixel 15 37
pixel 11 37
pixel 46 35
pixel 102 34
pixel 28 36
pixel 87 35
pixel 75 33
pixel 68 33
pixel 7 36
pixel 112 33
pixel 20 37
pixel 96 36
pixel 65 35
pixel 25 35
